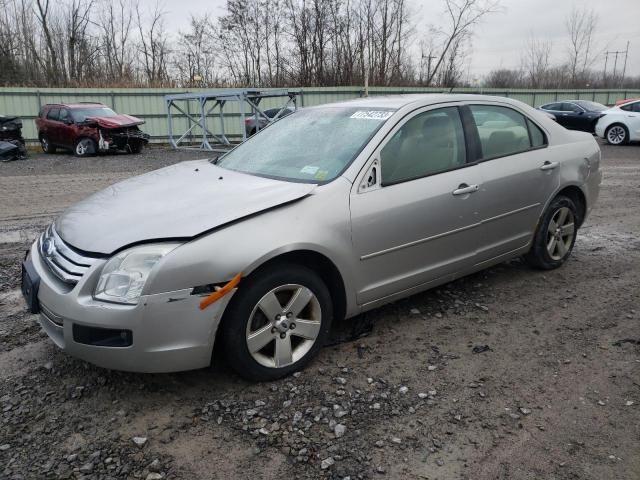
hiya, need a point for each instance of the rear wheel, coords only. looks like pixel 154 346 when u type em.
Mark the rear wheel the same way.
pixel 556 235
pixel 85 147
pixel 276 322
pixel 617 134
pixel 46 146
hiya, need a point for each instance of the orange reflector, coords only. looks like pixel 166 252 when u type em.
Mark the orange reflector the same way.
pixel 218 294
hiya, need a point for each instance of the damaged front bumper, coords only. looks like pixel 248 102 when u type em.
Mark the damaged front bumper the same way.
pixel 121 139
pixel 165 332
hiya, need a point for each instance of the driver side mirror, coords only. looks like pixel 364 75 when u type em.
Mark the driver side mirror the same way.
pixel 68 121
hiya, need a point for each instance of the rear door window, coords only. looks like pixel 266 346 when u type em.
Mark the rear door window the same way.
pixel 552 106
pixel 504 131
pixel 54 114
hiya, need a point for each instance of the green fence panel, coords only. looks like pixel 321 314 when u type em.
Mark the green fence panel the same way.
pixel 149 103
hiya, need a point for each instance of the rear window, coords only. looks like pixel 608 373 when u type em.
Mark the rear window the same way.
pixel 592 106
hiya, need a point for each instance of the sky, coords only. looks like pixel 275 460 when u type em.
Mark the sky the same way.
pixel 498 41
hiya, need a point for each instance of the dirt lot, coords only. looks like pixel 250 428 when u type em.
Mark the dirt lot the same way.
pixel 508 374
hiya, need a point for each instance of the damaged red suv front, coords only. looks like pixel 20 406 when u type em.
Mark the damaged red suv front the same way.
pixel 88 128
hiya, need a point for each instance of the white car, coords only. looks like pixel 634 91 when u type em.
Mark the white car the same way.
pixel 621 124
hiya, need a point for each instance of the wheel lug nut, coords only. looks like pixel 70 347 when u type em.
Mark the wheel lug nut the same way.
pixel 283 335
pixel 292 326
pixel 273 330
pixel 289 315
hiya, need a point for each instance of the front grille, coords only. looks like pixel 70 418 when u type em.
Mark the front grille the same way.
pixel 64 262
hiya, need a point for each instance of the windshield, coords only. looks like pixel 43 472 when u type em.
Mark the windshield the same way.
pixel 313 145
pixel 591 106
pixel 81 114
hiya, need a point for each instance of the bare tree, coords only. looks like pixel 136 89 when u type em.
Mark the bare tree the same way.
pixel 43 15
pixel 115 25
pixel 581 26
pixel 462 17
pixel 153 46
pixel 81 48
pixel 195 58
pixel 536 61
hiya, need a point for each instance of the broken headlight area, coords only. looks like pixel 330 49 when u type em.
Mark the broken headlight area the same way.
pixel 124 138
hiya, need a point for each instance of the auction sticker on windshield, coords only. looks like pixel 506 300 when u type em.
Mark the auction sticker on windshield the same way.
pixel 371 115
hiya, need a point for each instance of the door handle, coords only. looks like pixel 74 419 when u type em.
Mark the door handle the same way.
pixel 464 189
pixel 549 165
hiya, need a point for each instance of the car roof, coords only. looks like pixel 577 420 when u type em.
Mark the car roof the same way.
pixel 76 105
pixel 421 99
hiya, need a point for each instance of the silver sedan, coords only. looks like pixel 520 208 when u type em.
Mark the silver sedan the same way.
pixel 332 211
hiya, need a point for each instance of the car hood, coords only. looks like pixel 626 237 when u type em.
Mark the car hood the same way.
pixel 179 201
pixel 116 121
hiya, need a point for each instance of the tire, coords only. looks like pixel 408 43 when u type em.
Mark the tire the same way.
pixel 46 146
pixel 245 320
pixel 136 147
pixel 617 134
pixel 555 236
pixel 85 147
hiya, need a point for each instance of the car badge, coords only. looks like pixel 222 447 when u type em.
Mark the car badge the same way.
pixel 48 247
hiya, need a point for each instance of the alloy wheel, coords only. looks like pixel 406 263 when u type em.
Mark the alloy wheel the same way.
pixel 283 326
pixel 45 144
pixel 83 147
pixel 560 233
pixel 616 135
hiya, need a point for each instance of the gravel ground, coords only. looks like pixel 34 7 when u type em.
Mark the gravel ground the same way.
pixel 506 374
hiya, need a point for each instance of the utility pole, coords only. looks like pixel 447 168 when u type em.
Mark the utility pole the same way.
pixel 615 62
pixel 624 69
pixel 429 59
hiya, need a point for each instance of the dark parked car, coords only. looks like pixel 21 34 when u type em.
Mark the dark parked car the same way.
pixel 576 114
pixel 252 125
pixel 88 128
pixel 12 144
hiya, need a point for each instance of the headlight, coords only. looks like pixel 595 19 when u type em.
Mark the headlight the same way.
pixel 123 276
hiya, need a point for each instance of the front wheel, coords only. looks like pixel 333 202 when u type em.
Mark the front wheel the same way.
pixel 136 147
pixel 617 135
pixel 276 322
pixel 555 236
pixel 85 147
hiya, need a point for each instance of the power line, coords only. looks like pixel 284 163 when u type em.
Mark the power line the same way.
pixel 615 54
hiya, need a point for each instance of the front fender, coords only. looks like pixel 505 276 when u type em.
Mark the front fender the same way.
pixel 320 223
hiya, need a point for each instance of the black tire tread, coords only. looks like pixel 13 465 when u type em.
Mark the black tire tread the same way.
pixel 538 257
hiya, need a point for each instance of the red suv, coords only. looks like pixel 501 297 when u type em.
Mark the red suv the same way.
pixel 88 128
